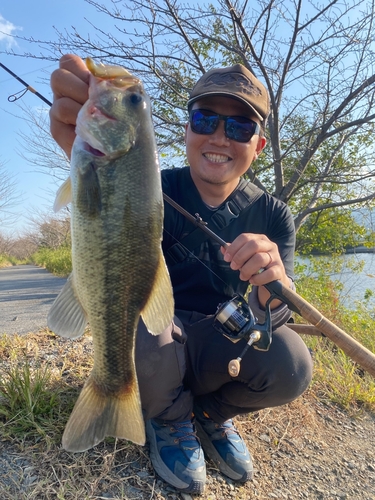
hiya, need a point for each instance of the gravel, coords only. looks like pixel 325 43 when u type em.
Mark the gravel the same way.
pixel 308 449
pixel 313 451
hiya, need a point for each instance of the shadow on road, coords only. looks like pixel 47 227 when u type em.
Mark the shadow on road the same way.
pixel 26 295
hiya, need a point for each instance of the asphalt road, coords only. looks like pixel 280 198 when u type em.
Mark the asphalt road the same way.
pixel 26 295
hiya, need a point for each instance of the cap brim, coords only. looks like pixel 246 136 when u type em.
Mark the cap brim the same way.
pixel 226 94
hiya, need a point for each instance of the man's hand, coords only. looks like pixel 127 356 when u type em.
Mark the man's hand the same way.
pixel 258 260
pixel 70 84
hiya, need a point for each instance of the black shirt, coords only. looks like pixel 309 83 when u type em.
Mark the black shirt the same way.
pixel 203 280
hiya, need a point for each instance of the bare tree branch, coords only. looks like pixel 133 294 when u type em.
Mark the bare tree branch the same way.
pixel 316 60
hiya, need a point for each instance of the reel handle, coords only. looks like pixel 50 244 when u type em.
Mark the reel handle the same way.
pixel 234 365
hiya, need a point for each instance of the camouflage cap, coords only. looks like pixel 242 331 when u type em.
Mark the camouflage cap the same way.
pixel 237 82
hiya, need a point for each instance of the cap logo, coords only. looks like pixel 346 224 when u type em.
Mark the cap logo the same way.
pixel 237 80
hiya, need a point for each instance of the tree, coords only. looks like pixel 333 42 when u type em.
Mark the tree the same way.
pixel 38 147
pixel 50 231
pixel 332 231
pixel 8 196
pixel 22 247
pixel 316 59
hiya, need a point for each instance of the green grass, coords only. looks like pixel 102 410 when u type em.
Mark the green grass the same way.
pixel 57 261
pixel 336 377
pixel 28 403
pixel 40 379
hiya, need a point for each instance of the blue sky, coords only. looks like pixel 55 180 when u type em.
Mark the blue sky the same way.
pixel 37 20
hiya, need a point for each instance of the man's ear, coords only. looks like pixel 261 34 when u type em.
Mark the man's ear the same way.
pixel 261 144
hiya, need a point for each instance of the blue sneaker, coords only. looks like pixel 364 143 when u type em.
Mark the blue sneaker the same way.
pixel 224 446
pixel 176 454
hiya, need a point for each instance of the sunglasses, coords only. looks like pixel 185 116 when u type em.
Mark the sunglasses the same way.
pixel 238 128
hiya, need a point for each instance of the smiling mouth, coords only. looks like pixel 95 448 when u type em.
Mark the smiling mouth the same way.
pixel 216 158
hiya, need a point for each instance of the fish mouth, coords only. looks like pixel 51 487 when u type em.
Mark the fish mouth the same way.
pixel 90 149
pixel 98 114
pixel 93 147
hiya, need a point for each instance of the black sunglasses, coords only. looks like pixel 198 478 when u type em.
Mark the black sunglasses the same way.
pixel 238 128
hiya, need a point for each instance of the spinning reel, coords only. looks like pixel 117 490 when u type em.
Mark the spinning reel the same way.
pixel 235 320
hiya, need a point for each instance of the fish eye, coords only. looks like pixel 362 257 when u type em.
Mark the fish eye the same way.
pixel 135 98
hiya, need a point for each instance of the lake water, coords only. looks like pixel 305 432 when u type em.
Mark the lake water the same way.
pixel 355 285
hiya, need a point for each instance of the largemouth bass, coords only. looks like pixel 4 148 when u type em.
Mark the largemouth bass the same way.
pixel 119 272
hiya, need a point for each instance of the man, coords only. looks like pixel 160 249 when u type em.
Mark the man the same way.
pixel 188 396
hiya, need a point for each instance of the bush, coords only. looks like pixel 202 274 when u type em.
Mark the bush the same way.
pixel 58 261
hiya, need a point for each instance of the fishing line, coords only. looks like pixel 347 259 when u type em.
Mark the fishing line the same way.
pixel 199 260
pixel 196 220
pixel 29 72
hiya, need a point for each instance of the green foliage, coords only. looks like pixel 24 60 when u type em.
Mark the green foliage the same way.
pixel 58 261
pixel 9 260
pixel 331 231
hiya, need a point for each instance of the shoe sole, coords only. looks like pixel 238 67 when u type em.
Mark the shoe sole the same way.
pixel 195 487
pixel 212 453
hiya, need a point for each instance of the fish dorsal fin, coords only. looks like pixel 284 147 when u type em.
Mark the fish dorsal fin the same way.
pixel 67 317
pixel 159 310
pixel 63 195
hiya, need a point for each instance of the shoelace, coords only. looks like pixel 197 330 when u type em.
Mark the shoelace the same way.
pixel 186 430
pixel 228 428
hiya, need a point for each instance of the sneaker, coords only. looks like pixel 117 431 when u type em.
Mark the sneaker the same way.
pixel 176 454
pixel 224 446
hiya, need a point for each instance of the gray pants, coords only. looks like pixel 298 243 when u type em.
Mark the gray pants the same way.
pixel 189 361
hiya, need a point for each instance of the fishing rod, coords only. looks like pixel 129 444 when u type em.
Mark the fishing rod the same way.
pixel 18 95
pixel 356 351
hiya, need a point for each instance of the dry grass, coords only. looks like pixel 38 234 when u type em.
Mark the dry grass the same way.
pixel 33 465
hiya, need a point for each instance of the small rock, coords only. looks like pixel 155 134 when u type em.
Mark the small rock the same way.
pixel 106 495
pixel 265 438
pixel 342 494
pixel 30 480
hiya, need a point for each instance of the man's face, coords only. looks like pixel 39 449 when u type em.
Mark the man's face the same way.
pixel 215 159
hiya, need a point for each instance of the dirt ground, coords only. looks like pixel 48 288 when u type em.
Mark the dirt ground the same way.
pixel 307 449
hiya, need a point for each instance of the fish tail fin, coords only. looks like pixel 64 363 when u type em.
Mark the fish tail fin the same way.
pixel 97 414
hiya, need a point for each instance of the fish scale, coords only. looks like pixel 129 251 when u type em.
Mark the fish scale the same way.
pixel 119 272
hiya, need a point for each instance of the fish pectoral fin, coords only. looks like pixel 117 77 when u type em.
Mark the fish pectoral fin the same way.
pixel 159 309
pixel 89 192
pixel 63 195
pixel 67 317
pixel 97 414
